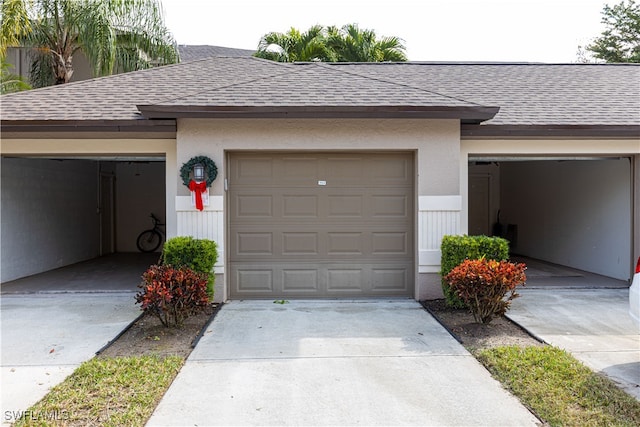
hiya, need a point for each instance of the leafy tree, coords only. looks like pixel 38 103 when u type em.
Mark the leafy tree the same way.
pixel 353 44
pixel 620 41
pixel 332 44
pixel 115 36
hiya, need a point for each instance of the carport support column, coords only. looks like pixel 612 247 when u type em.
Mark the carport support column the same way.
pixel 636 209
pixel 171 168
pixel 441 190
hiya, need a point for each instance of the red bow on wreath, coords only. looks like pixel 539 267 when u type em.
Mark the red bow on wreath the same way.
pixel 198 188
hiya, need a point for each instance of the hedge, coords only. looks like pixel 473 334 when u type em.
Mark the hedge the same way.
pixel 455 249
pixel 199 255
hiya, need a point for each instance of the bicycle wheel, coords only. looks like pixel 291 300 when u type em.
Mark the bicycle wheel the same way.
pixel 149 241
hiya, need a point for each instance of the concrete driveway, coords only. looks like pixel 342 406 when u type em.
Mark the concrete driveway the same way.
pixel 592 324
pixel 333 363
pixel 46 337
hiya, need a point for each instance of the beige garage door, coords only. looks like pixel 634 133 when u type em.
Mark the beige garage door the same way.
pixel 321 225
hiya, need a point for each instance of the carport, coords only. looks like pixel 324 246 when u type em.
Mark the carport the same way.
pixel 573 211
pixel 64 205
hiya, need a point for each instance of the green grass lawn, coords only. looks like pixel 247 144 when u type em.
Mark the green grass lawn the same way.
pixel 106 392
pixel 559 389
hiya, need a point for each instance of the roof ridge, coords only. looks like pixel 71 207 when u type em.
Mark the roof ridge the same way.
pixel 289 69
pixel 329 66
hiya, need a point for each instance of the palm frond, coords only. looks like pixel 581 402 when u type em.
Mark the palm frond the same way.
pixel 15 24
pixel 10 82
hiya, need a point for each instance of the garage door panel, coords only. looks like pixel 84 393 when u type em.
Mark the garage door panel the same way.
pixel 254 243
pixel 252 169
pixel 254 205
pixel 345 243
pixel 389 279
pixel 391 170
pixel 254 280
pixel 299 170
pixel 345 279
pixel 300 243
pixel 390 243
pixel 351 237
pixel 391 205
pixel 298 205
pixel 348 205
pixel 300 280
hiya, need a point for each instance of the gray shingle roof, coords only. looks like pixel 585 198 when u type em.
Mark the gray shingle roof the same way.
pixel 527 94
pixel 314 84
pixel 531 94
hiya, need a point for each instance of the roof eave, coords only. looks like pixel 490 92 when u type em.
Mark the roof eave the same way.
pixel 472 131
pixel 467 114
pixel 107 126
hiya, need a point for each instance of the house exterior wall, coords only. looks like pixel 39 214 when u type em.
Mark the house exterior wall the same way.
pixel 49 216
pixel 20 61
pixel 434 142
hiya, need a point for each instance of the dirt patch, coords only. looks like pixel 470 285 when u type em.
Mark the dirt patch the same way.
pixel 476 336
pixel 147 336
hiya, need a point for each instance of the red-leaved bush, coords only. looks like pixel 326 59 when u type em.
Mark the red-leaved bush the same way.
pixel 486 286
pixel 172 294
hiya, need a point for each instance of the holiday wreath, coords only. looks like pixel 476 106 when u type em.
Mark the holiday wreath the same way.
pixel 211 171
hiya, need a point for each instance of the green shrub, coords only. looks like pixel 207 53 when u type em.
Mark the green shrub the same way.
pixel 455 249
pixel 199 255
pixel 483 285
pixel 172 294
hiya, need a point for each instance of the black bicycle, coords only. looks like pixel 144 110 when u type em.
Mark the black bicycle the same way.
pixel 150 240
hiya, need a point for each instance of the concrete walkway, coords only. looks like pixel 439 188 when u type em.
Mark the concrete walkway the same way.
pixel 592 324
pixel 333 363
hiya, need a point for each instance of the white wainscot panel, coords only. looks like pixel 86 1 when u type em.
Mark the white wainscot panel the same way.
pixel 205 224
pixel 437 217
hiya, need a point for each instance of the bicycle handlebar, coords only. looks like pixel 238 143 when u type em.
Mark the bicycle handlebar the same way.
pixel 156 220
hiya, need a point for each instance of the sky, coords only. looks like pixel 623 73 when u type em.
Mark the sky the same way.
pixel 433 30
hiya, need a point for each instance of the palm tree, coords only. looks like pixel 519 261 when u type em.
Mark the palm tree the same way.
pixel 295 46
pixel 115 36
pixel 353 44
pixel 346 44
pixel 15 24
